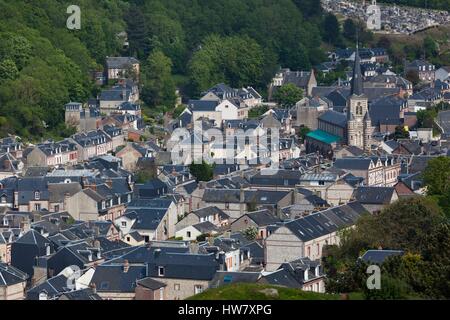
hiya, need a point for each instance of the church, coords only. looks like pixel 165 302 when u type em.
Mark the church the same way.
pixel 353 128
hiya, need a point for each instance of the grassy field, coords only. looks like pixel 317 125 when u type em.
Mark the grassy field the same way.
pixel 251 291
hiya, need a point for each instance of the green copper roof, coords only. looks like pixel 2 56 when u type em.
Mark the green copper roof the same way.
pixel 323 136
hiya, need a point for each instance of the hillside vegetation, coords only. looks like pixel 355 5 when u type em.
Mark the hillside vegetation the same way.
pixel 43 65
pixel 251 291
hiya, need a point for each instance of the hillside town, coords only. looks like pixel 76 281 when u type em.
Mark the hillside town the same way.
pixel 394 19
pixel 108 214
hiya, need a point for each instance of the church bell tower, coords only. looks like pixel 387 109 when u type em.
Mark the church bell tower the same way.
pixel 359 124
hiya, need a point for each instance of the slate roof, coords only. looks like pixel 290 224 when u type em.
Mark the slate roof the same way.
pixel 205 227
pixel 151 284
pixel 183 266
pixel 327 221
pixel 111 277
pixel 337 118
pixel 120 62
pixel 378 256
pixel 353 163
pixel 233 196
pixel 33 237
pixel 263 217
pixel 146 219
pixel 208 211
pixel 52 287
pixel 386 109
pixel 80 295
pixel 59 190
pixel 374 195
pixel 202 105
pixel 115 94
pixel 10 275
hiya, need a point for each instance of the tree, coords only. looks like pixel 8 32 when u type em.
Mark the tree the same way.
pixel 416 226
pixel 202 172
pixel 303 132
pixel 8 70
pixel 288 95
pixel 250 233
pixel 430 47
pixel 332 31
pixel 158 85
pixel 413 76
pixel 384 42
pixel 401 133
pixel 391 289
pixel 436 177
pixel 136 30
pixel 238 61
pixel 349 31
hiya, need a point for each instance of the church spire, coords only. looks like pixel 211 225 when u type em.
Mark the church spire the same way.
pixel 357 87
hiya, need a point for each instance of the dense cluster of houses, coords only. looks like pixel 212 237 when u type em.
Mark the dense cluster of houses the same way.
pixel 394 19
pixel 76 223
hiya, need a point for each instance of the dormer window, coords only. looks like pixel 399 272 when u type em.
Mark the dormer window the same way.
pixel 161 271
pixel 3 199
pixel 37 195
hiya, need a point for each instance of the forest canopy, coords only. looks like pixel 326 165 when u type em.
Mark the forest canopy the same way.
pixel 43 65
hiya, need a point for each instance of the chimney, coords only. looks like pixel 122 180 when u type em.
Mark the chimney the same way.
pixel 126 266
pixel 109 183
pixel 66 199
pixel 241 195
pixel 7 164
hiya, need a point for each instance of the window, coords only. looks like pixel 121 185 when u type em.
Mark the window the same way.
pixel 128 239
pixel 161 271
pixel 227 205
pixel 37 207
pixel 176 287
pixel 37 195
pixel 103 205
pixel 198 289
pixel 188 234
pixel 57 208
pixel 3 199
pixel 124 223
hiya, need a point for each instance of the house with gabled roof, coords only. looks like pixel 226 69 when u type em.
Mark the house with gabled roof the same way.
pixel 192 232
pixel 236 202
pixel 117 67
pixel 26 249
pixel 184 274
pixel 302 274
pixel 374 199
pixel 329 186
pixel 12 283
pixel 305 237
pixel 97 202
pixel 77 253
pixel 259 220
pixel 211 214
